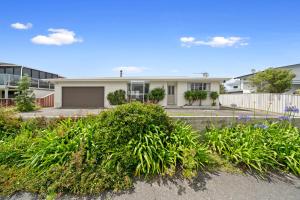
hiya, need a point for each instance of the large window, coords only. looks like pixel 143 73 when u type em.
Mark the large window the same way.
pixel 9 70
pixel 200 86
pixel 137 90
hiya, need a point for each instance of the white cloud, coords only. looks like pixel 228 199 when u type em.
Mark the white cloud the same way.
pixel 56 37
pixel 218 41
pixel 130 69
pixel 21 26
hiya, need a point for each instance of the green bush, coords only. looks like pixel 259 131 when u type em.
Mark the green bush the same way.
pixel 92 154
pixel 262 147
pixel 25 99
pixel 156 95
pixel 214 96
pixel 9 123
pixel 117 97
pixel 200 95
pixel 190 96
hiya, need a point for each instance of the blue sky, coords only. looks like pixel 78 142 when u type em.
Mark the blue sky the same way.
pixel 158 37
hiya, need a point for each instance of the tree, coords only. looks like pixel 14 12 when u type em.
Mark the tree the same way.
pixel 117 97
pixel 200 95
pixel 157 95
pixel 222 89
pixel 273 80
pixel 25 99
pixel 214 96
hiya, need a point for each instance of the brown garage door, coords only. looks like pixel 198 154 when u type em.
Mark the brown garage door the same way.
pixel 82 97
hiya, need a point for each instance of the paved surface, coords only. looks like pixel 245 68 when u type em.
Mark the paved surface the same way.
pixel 221 186
pixel 52 112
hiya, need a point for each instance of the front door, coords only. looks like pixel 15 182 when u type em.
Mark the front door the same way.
pixel 171 95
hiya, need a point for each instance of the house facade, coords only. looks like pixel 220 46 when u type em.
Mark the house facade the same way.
pixel 92 92
pixel 10 74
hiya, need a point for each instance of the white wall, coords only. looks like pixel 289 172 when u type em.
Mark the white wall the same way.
pixel 108 87
pixel 111 86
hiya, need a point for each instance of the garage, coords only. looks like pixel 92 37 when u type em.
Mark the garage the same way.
pixel 82 97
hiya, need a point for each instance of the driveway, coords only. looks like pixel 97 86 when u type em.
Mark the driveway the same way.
pixel 223 186
pixel 54 112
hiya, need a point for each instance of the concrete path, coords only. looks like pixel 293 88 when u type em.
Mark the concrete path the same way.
pixel 221 186
pixel 53 113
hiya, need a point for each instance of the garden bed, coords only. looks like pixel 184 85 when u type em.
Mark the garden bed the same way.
pixel 108 151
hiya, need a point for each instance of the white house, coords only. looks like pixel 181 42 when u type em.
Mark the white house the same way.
pixel 241 84
pixel 92 92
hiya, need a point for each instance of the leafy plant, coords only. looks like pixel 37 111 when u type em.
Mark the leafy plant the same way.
pixel 92 154
pixel 214 96
pixel 200 95
pixel 273 80
pixel 25 99
pixel 117 97
pixel 271 145
pixel 189 96
pixel 156 95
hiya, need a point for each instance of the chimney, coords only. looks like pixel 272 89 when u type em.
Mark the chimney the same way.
pixel 121 73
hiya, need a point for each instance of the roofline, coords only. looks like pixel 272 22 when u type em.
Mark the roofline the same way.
pixel 238 77
pixel 118 79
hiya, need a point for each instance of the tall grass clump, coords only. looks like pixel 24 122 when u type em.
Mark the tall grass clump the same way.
pixel 259 147
pixel 96 153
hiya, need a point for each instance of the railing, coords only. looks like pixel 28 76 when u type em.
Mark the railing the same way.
pixel 12 80
pixel 6 102
pixel 261 101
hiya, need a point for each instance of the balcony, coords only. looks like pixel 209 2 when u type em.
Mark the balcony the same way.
pixel 12 81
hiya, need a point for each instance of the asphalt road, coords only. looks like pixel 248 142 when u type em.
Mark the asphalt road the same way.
pixel 221 186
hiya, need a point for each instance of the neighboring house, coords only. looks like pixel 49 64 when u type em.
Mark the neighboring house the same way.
pixel 243 84
pixel 92 92
pixel 10 74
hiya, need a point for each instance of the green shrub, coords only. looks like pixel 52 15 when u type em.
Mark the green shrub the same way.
pixel 92 154
pixel 190 96
pixel 200 95
pixel 261 147
pixel 9 123
pixel 117 97
pixel 25 99
pixel 156 95
pixel 214 96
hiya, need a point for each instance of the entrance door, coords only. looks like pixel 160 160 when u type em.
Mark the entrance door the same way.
pixel 171 95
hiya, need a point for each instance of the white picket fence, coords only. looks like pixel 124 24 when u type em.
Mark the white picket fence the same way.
pixel 261 101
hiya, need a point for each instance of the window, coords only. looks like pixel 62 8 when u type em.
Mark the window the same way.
pixel 17 71
pixel 1 70
pixel 9 70
pixel 27 72
pixel 200 86
pixel 42 75
pixel 235 86
pixel 171 89
pixel 35 74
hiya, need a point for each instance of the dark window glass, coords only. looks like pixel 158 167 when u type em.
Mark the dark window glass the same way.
pixel 48 75
pixel 200 86
pixel 235 86
pixel 9 70
pixel 27 72
pixel 1 70
pixel 17 71
pixel 35 74
pixel 42 75
pixel 146 88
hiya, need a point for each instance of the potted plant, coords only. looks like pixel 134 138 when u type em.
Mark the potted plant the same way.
pixel 214 96
pixel 201 95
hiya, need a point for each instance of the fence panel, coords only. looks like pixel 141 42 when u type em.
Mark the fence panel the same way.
pixel 261 101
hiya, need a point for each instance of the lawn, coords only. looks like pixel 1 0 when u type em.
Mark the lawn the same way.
pixel 108 151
